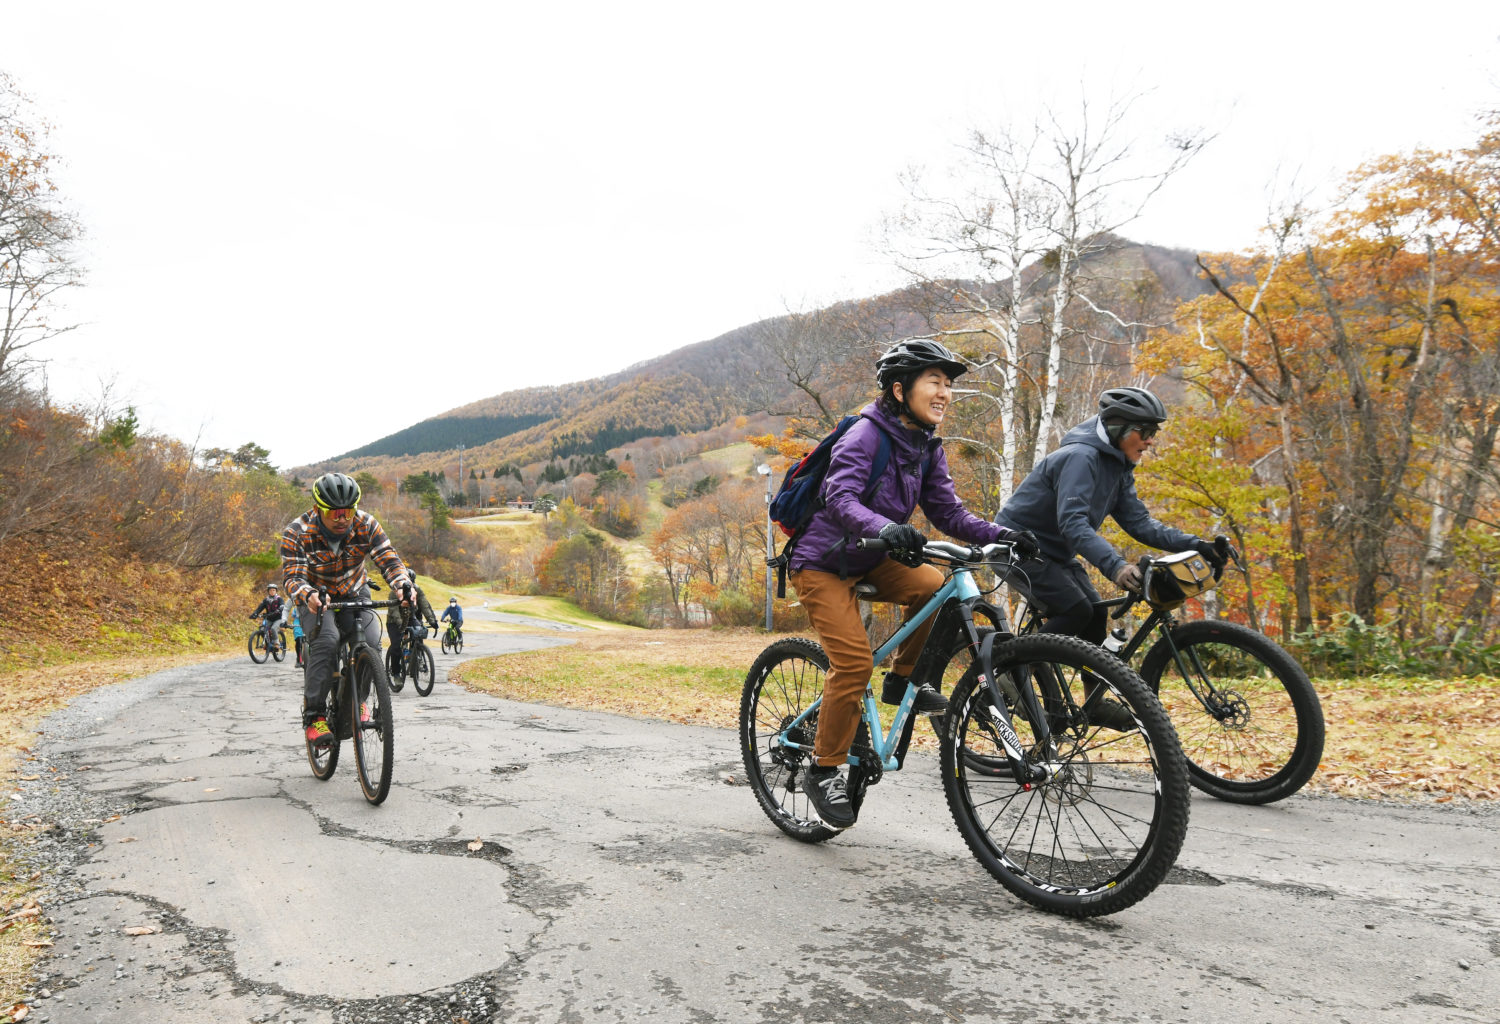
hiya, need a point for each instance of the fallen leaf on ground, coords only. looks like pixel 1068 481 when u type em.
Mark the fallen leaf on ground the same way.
pixel 476 846
pixel 141 929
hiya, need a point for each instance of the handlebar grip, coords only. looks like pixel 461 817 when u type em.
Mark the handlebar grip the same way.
pixel 872 544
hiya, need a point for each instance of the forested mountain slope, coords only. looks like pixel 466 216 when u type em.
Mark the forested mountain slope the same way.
pixel 698 386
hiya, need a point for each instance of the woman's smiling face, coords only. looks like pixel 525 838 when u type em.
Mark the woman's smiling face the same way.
pixel 928 397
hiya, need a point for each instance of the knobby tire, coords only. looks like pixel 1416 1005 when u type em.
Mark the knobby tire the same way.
pixel 1104 828
pixel 374 743
pixel 785 679
pixel 1267 739
pixel 257 646
pixel 423 670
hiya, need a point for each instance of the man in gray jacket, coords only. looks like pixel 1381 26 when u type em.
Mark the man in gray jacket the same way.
pixel 1064 500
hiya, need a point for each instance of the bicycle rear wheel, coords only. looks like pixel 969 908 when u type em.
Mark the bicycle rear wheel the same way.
pixel 374 729
pixel 324 759
pixel 1253 733
pixel 785 679
pixel 423 670
pixel 395 669
pixel 257 645
pixel 1102 830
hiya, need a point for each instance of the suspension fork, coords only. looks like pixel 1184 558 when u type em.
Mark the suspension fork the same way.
pixel 983 653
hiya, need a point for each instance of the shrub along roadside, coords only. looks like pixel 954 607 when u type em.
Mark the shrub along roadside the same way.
pixel 72 625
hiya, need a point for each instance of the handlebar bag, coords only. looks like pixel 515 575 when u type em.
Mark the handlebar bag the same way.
pixel 1175 578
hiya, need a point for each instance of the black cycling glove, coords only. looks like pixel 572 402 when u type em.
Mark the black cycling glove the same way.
pixel 904 542
pixel 1023 542
pixel 1215 553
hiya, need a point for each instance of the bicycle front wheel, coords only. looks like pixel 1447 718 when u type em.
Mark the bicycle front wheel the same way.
pixel 374 730
pixel 1250 722
pixel 785 679
pixel 257 645
pixel 447 644
pixel 1104 825
pixel 423 670
pixel 280 652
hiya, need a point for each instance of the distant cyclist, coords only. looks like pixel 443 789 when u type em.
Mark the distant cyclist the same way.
pixel 326 547
pixel 456 614
pixel 294 616
pixel 395 621
pixel 916 385
pixel 270 612
pixel 1065 499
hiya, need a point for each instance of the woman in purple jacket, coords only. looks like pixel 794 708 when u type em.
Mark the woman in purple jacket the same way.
pixel 916 385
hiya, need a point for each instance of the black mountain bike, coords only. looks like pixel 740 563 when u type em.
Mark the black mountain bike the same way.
pixel 266 642
pixel 453 640
pixel 358 704
pixel 1249 720
pixel 411 658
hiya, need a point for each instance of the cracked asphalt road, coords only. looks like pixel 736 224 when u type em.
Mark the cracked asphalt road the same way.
pixel 622 878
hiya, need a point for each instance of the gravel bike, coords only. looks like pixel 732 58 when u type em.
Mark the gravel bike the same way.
pixel 411 657
pixel 358 703
pixel 266 642
pixel 1249 721
pixel 453 640
pixel 1072 818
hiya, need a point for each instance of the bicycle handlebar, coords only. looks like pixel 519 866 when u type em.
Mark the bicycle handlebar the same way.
pixel 998 551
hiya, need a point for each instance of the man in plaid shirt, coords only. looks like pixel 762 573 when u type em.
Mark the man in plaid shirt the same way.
pixel 326 548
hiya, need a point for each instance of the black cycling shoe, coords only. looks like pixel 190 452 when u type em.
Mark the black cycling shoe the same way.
pixel 928 700
pixel 894 688
pixel 1109 713
pixel 828 793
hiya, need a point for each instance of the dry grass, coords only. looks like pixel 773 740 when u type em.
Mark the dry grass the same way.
pixel 1392 739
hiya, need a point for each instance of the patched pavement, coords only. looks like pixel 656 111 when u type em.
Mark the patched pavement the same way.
pixel 623 872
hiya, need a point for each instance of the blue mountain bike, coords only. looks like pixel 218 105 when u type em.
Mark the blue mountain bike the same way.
pixel 1071 817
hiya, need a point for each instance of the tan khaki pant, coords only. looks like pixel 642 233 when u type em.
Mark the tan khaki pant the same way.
pixel 834 610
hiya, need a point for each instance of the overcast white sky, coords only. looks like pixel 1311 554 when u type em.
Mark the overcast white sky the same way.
pixel 434 203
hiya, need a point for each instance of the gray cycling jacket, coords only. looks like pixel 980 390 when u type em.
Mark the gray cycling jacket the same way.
pixel 1067 496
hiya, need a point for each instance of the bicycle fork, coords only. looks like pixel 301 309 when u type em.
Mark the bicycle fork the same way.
pixel 983 652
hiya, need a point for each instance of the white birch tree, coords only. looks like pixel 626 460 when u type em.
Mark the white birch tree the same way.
pixel 1008 230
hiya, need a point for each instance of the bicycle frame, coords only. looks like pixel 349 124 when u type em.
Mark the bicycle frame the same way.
pixel 956 598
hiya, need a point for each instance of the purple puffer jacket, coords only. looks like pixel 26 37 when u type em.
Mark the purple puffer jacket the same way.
pixel 844 518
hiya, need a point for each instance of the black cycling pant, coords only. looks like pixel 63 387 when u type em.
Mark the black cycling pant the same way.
pixel 1067 599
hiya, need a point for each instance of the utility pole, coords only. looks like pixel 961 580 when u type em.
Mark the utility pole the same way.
pixel 764 470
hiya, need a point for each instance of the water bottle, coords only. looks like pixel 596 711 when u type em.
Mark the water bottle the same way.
pixel 1114 643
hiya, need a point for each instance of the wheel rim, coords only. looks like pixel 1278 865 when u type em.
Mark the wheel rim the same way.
pixel 785 688
pixel 1083 829
pixel 372 738
pixel 1248 735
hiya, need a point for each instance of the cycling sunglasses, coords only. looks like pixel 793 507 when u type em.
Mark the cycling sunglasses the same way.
pixel 1146 430
pixel 338 513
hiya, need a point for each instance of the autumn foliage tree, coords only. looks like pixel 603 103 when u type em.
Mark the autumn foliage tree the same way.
pixel 1355 364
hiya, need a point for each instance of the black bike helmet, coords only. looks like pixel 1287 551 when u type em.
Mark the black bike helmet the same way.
pixel 907 357
pixel 335 490
pixel 1133 405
